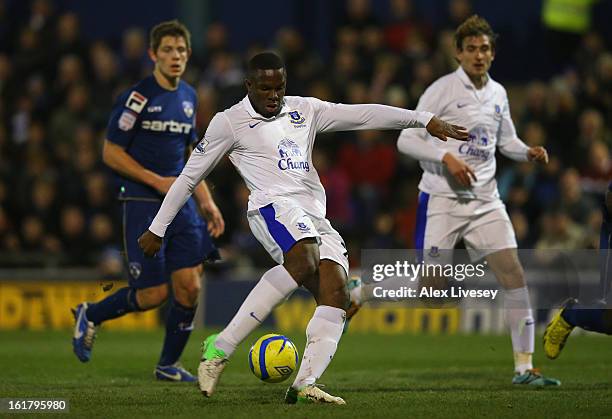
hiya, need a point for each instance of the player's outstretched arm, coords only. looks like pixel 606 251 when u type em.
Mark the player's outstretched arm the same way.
pixel 341 117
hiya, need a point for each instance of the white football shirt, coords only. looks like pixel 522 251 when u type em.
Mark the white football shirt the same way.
pixel 485 113
pixel 274 155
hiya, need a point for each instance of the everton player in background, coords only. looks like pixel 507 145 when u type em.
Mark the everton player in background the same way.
pixel 458 192
pixel 149 137
pixel 588 317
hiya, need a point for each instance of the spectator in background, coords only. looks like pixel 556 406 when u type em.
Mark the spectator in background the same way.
pixel 559 232
pixel 358 15
pixel 68 38
pixel 105 79
pixel 226 77
pixel 598 171
pixel 338 188
pixel 574 203
pixel 65 120
pixel 303 65
pixel 215 41
pixel 403 24
pixel 70 72
pixel 134 61
pixel 458 11
pixel 591 130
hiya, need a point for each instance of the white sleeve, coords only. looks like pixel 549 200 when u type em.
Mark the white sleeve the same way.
pixel 340 117
pixel 508 142
pixel 217 141
pixel 417 143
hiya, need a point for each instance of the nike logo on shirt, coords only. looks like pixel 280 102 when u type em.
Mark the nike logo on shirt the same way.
pixel 254 316
pixel 461 105
pixel 254 125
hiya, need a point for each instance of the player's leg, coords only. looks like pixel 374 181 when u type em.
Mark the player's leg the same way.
pixel 188 244
pixel 186 284
pixel 146 288
pixel 126 300
pixel 284 231
pixel 493 230
pixel 272 289
pixel 322 334
pixel 440 225
pixel 573 314
pixel 327 323
pixel 597 319
pixel 517 307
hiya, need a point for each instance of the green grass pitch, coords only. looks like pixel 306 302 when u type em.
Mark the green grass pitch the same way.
pixel 378 375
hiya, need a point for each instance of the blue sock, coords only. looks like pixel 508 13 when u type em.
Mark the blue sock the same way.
pixel 593 319
pixel 179 325
pixel 113 306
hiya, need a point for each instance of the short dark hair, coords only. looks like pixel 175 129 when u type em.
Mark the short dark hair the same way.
pixel 264 61
pixel 172 28
pixel 474 26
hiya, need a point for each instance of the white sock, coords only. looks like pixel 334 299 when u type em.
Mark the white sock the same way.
pixel 322 336
pixel 522 327
pixel 273 287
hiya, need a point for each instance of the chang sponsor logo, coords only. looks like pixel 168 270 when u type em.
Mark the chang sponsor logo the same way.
pixel 472 147
pixel 291 156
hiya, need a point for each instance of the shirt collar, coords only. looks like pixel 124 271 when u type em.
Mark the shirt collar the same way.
pixel 254 114
pixel 465 79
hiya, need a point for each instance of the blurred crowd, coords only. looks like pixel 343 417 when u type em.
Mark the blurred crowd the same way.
pixel 57 200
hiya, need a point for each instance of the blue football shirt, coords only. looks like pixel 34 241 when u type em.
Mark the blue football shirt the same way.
pixel 155 126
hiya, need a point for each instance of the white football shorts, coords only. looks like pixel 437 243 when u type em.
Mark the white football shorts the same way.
pixel 278 226
pixel 484 226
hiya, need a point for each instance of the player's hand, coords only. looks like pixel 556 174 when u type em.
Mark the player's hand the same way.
pixel 149 243
pixel 538 154
pixel 216 224
pixel 441 129
pixel 459 169
pixel 164 183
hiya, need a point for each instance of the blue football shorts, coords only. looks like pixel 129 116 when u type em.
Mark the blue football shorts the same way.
pixel 186 243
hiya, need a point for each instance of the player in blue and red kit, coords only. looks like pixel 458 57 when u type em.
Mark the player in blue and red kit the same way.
pixel 149 136
pixel 574 314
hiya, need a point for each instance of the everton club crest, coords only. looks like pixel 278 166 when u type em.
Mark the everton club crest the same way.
pixel 296 118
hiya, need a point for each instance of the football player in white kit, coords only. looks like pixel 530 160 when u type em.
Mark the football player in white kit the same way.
pixel 269 138
pixel 458 196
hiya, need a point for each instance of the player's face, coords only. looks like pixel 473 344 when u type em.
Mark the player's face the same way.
pixel 171 56
pixel 266 91
pixel 476 56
